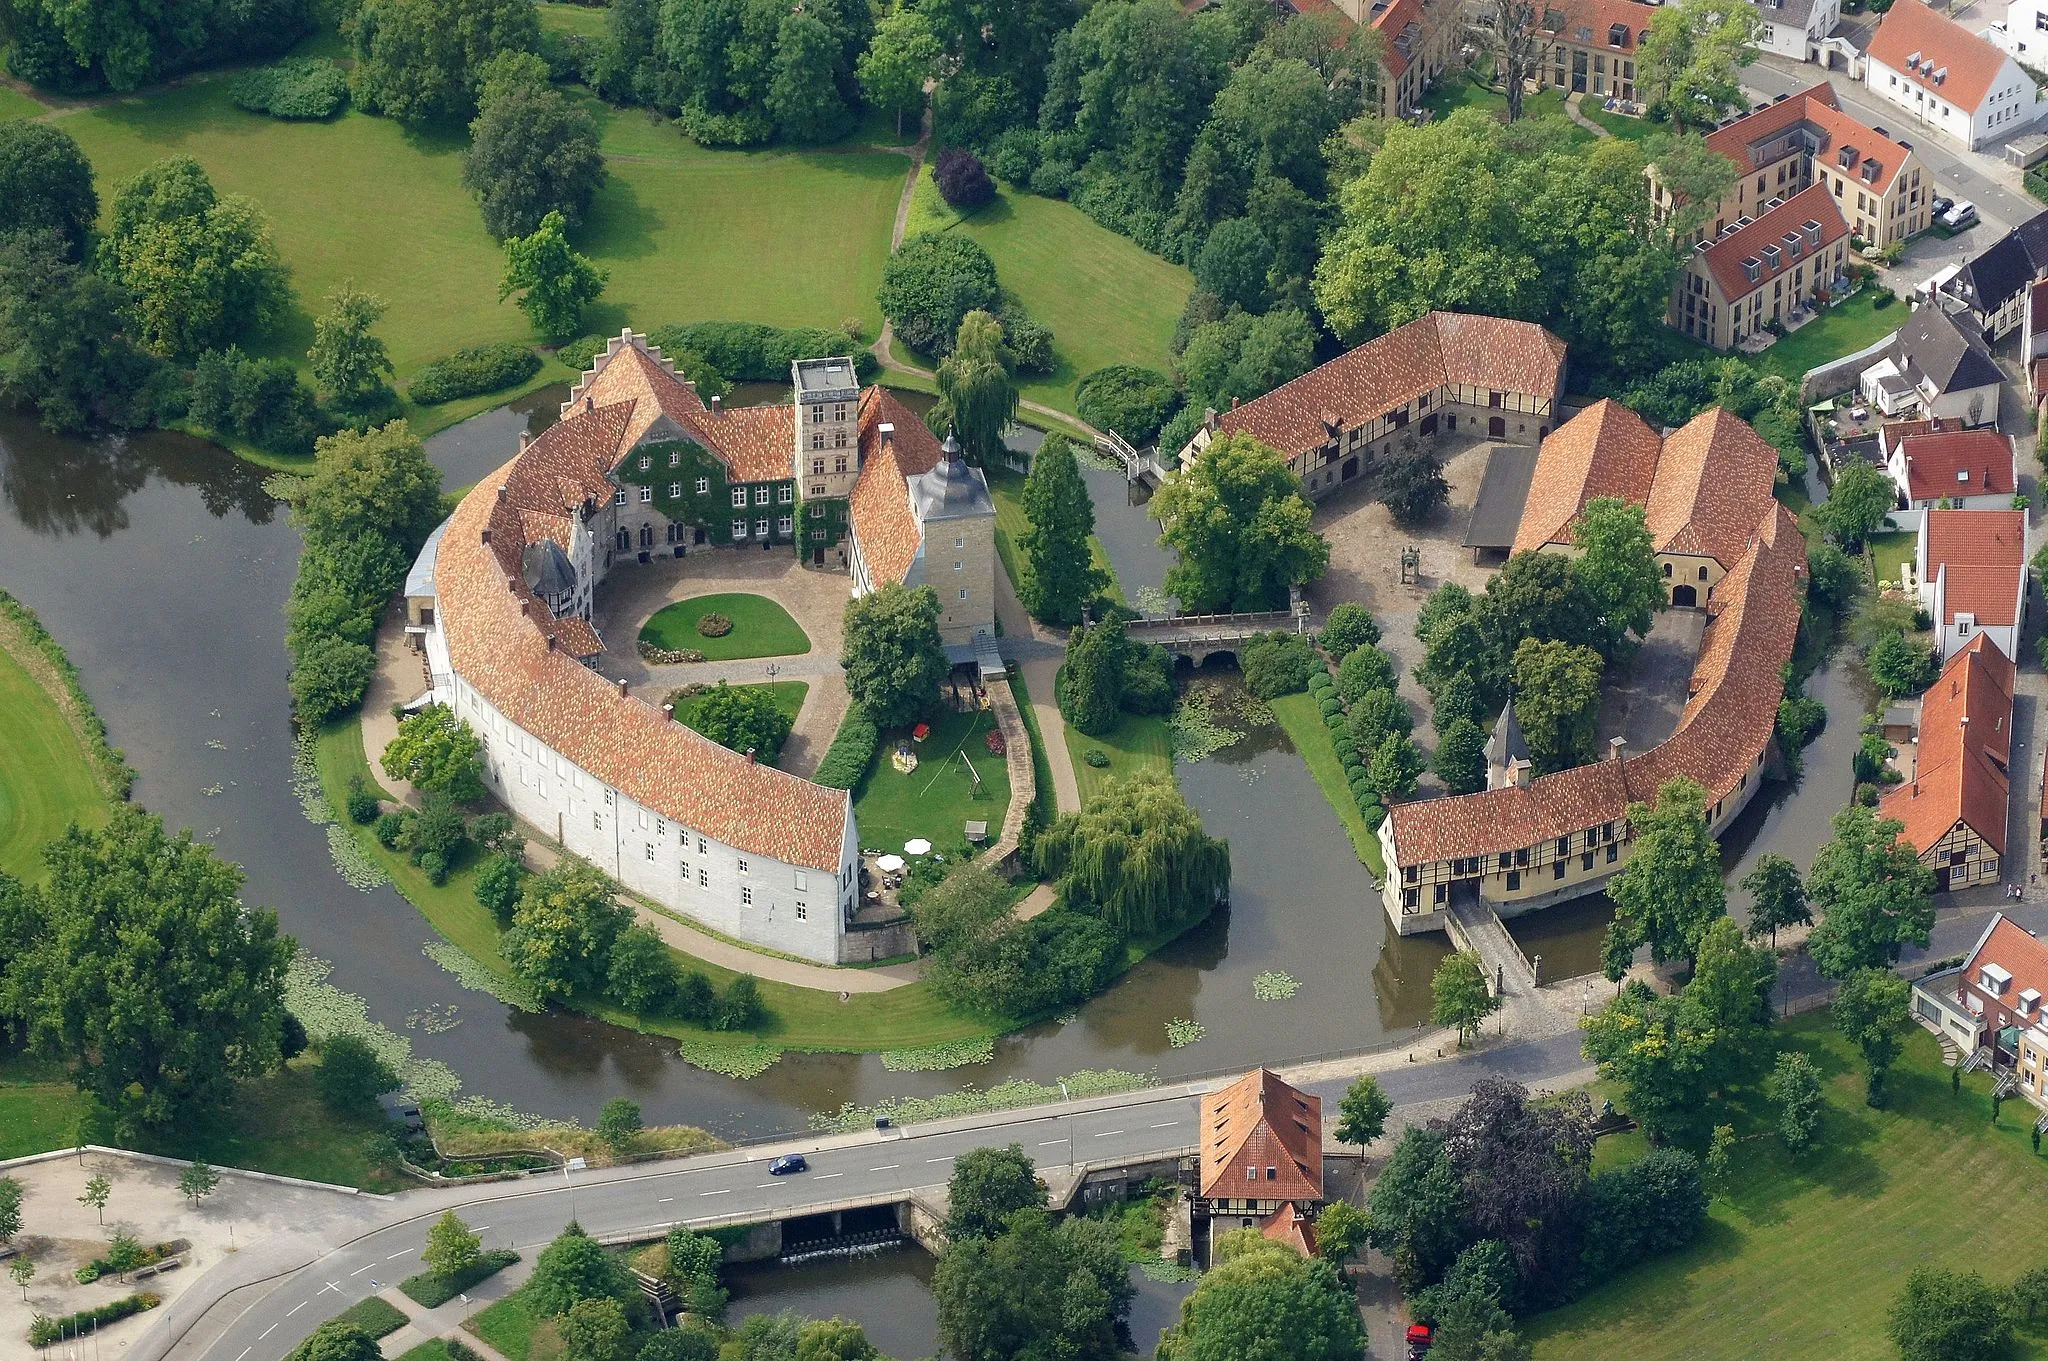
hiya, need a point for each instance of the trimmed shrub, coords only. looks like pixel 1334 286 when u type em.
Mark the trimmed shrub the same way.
pixel 363 807
pixel 749 352
pixel 296 88
pixel 1277 664
pixel 931 282
pixel 474 371
pixel 1097 757
pixel 1349 626
pixel 714 625
pixel 1374 816
pixel 1344 746
pixel 1330 705
pixel 45 1331
pixel 1028 339
pixel 1132 401
pixel 1365 797
pixel 430 1291
pixel 962 179
pixel 846 760
pixel 1334 722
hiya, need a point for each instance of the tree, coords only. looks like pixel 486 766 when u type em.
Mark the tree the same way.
pixel 1461 757
pixel 1416 1207
pixel 63 345
pixel 1266 1303
pixel 574 1267
pixel 1342 1230
pixel 893 657
pixel 642 975
pixel 1669 892
pixel 619 1122
pixel 422 61
pixel 1033 1290
pixel 437 753
pixel 693 1262
pixel 201 268
pixel 329 678
pixel 1090 684
pixel 1899 668
pixel 1795 1085
pixel 348 361
pixel 1523 1165
pixel 962 179
pixel 352 1075
pixel 557 283
pixel 1692 57
pixel 10 1209
pixel 977 400
pixel 451 1248
pixel 1509 29
pixel 1874 895
pixel 1729 998
pixel 596 1330
pixel 903 55
pixel 1857 504
pixel 931 283
pixel 1460 995
pixel 1060 575
pixel 336 1340
pixel 1395 768
pixel 1362 1113
pixel 803 97
pixel 1537 595
pixel 197 1182
pixel 22 1271
pixel 510 73
pixel 1698 177
pixel 46 184
pixel 1232 264
pixel 745 718
pixel 498 881
pixel 563 929
pixel 97 1190
pixel 1241 356
pixel 371 483
pixel 988 1186
pixel 1136 856
pixel 1869 1010
pixel 1948 1316
pixel 1557 699
pixel 835 1339
pixel 1618 568
pixel 1240 525
pixel 147 973
pixel 532 153
pixel 1410 481
pixel 1658 1052
pixel 1778 899
pixel 1348 626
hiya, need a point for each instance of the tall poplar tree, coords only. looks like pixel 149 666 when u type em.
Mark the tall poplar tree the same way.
pixel 1060 575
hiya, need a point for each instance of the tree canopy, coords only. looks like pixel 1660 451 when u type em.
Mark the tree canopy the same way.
pixel 553 281
pixel 1669 892
pixel 1557 700
pixel 977 399
pixel 1136 855
pixel 422 61
pixel 1240 525
pixel 1035 1289
pixel 1874 894
pixel 1060 575
pixel 743 718
pixel 1263 1301
pixel 988 1186
pixel 563 929
pixel 438 753
pixel 894 658
pixel 46 184
pixel 532 152
pixel 201 267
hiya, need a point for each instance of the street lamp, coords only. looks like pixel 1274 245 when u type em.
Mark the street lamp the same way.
pixel 1065 1095
pixel 773 669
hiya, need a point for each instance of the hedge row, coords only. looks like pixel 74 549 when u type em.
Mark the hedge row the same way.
pixel 474 371
pixel 430 1290
pixel 298 88
pixel 45 1331
pixel 109 764
pixel 749 352
pixel 1349 758
pixel 374 1315
pixel 846 760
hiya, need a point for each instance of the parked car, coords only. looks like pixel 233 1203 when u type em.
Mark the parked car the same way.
pixel 1420 1339
pixel 1942 203
pixel 1962 213
pixel 788 1163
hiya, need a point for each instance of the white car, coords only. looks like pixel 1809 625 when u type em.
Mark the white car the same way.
pixel 1962 213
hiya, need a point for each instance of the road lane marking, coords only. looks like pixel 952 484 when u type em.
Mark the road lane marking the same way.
pixel 1105 1133
pixel 829 1175
pixel 948 1158
pixel 295 1309
pixel 664 1200
pixel 1169 1124
pixel 335 1286
pixel 245 1352
pixel 764 1185
pixel 396 1255
pixel 266 1332
pixel 890 1168
pixel 1050 1142
pixel 726 1192
pixel 361 1269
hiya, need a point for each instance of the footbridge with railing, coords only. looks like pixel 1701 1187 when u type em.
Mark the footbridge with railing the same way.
pixel 1198 636
pixel 1474 925
pixel 1138 466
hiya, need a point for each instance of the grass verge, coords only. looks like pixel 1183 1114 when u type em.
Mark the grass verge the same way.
pixel 1892 552
pixel 507 1326
pixel 431 1290
pixel 46 777
pixel 760 628
pixel 1303 723
pixel 1802 1259
pixel 376 1316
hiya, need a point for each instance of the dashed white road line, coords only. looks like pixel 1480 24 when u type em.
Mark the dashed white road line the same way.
pixel 889 1168
pixel 266 1332
pixel 664 1200
pixel 765 1185
pixel 245 1352
pixel 726 1192
pixel 948 1158
pixel 1105 1133
pixel 361 1269
pixel 295 1309
pixel 1168 1124
pixel 829 1175
pixel 396 1255
pixel 1048 1143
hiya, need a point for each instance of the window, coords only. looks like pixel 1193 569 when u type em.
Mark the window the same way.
pixel 963 592
pixel 739 529
pixel 817 467
pixel 703 485
pixel 839 464
pixel 650 852
pixel 1557 869
pixel 675 489
pixel 760 529
pixel 760 496
pixel 1586 861
pixel 746 896
pixel 646 495
pixel 838 439
pixel 959 541
pixel 619 497
pixel 817 511
pixel 1251 1174
pixel 739 496
pixel 645 463
pixel 743 867
pixel 956 564
pixel 607 798
pixel 1613 851
pixel 817 489
pixel 596 821
pixel 686 871
pixel 817 413
pixel 1514 881
pixel 817 439
pixel 801 914
pixel 703 878
pixel 785 495
pixel 701 848
pixel 784 525
pixel 1703 573
pixel 800 881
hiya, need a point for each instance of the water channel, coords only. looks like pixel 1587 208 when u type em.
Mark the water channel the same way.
pixel 162 566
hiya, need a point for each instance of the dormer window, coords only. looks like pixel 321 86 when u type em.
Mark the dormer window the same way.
pixel 2030 1002
pixel 1773 257
pixel 1617 35
pixel 1993 979
pixel 1752 269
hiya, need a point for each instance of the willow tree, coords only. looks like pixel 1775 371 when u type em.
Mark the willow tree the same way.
pixel 1136 856
pixel 977 399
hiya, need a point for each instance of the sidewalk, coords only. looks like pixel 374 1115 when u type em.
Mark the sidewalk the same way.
pixel 446 1320
pixel 1039 652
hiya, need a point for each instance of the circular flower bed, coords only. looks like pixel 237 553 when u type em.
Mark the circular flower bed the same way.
pixel 714 625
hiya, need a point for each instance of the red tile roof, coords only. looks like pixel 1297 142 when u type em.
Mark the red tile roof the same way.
pixel 883 523
pixel 1985 554
pixel 1819 108
pixel 1258 1123
pixel 1605 450
pixel 1962 463
pixel 1587 23
pixel 1390 371
pixel 1402 18
pixel 2016 950
pixel 1713 488
pixel 756 444
pixel 1972 64
pixel 1728 719
pixel 1723 259
pixel 1959 774
pixel 1891 432
pixel 1291 1225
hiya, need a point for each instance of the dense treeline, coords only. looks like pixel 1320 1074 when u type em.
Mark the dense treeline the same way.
pixel 82 48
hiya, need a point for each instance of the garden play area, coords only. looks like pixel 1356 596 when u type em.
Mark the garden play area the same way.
pixel 940 794
pixel 726 628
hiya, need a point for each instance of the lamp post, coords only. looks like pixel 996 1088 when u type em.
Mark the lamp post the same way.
pixel 1065 1095
pixel 773 670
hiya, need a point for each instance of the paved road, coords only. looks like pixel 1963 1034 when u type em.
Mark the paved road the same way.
pixel 289 1288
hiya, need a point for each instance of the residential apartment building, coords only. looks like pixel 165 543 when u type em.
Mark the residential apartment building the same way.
pixel 1994 1002
pixel 1959 470
pixel 1971 566
pixel 1795 29
pixel 1500 378
pixel 1589 46
pixel 1805 139
pixel 1765 272
pixel 1948 78
pixel 1419 38
pixel 1953 802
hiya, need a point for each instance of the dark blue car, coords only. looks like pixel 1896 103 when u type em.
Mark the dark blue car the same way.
pixel 788 1163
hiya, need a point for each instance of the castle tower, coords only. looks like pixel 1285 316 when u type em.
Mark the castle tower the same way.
pixel 826 459
pixel 1507 754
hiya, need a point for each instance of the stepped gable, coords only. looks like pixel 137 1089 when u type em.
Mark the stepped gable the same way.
pixel 1731 709
pixel 506 644
pixel 1605 450
pixel 1713 487
pixel 1965 751
pixel 883 523
pixel 1392 370
pixel 754 442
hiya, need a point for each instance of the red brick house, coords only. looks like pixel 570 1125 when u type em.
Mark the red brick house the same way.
pixel 1995 1001
pixel 1262 1160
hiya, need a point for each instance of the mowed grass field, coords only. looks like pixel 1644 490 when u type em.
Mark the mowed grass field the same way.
pixel 1800 1261
pixel 936 800
pixel 760 628
pixel 46 778
pixel 16 104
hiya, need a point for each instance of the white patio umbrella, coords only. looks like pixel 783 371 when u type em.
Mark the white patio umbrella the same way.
pixel 888 864
pixel 917 846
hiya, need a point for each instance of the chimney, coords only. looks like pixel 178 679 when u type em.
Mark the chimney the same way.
pixel 487 533
pixel 622 687
pixel 1520 772
pixel 1233 403
pixel 552 642
pixel 887 430
pixel 512 585
pixel 589 404
pixel 1209 418
pixel 503 492
pixel 750 756
pixel 525 438
pixel 1615 746
pixel 668 711
pixel 523 608
pixel 717 404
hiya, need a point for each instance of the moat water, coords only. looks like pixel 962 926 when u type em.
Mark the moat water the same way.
pixel 162 567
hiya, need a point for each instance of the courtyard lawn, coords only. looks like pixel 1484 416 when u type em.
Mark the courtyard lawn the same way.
pixel 1138 742
pixel 936 800
pixel 1840 330
pixel 1890 553
pixel 788 697
pixel 1302 720
pixel 1802 1260
pixel 506 1325
pixel 1012 524
pixel 681 230
pixel 1620 124
pixel 760 628
pixel 46 775
pixel 1107 300
pixel 1456 92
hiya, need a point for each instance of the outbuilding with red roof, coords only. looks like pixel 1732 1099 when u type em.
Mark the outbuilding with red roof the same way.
pixel 1952 469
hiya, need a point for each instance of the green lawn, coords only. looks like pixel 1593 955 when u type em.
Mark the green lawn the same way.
pixel 1303 722
pixel 17 104
pixel 1620 124
pixel 683 231
pixel 1891 551
pixel 46 776
pixel 506 1325
pixel 375 1316
pixel 1801 1260
pixel 1462 92
pixel 788 697
pixel 585 21
pixel 1107 300
pixel 1012 524
pixel 433 1349
pixel 760 628
pixel 1839 330
pixel 1137 743
pixel 935 800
